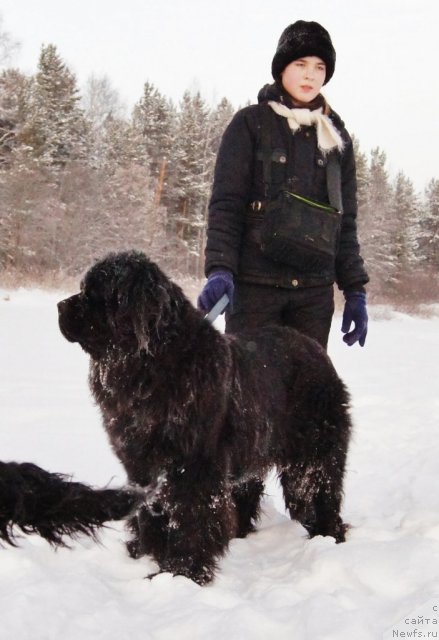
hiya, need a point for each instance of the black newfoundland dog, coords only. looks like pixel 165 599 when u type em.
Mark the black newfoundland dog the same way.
pixel 201 416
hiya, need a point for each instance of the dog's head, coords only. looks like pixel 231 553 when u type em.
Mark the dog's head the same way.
pixel 124 300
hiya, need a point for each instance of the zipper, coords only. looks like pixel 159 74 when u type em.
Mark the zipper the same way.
pixel 313 203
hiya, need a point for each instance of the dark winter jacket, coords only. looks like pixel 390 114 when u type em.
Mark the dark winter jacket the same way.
pixel 231 239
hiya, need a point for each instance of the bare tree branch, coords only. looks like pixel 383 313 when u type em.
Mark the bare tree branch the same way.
pixel 8 46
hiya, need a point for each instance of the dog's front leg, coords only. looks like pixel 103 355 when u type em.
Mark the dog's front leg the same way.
pixel 200 526
pixel 149 532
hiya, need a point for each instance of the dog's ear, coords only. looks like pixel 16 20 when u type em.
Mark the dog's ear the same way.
pixel 143 304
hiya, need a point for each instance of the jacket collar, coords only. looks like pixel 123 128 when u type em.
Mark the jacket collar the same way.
pixel 276 93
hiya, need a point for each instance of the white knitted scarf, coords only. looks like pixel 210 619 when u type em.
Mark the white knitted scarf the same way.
pixel 327 135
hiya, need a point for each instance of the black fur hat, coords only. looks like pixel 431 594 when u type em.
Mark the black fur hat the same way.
pixel 304 39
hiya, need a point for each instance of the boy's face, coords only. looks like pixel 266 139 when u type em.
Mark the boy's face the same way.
pixel 303 78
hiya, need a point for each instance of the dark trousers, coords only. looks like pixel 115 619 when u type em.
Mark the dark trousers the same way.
pixel 308 310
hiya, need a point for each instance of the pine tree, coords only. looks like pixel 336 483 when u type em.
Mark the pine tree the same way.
pixel 154 130
pixel 362 172
pixel 219 119
pixel 192 161
pixel 56 129
pixel 119 145
pixel 153 119
pixel 405 212
pixel 14 99
pixel 377 226
pixel 429 226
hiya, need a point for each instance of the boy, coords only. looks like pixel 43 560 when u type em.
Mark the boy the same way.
pixel 287 142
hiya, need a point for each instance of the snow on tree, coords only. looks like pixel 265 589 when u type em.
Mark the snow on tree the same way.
pixel 362 170
pixel 219 119
pixel 15 90
pixel 405 212
pixel 56 129
pixel 78 178
pixel 192 161
pixel 109 209
pixel 31 215
pixel 429 225
pixel 377 230
pixel 153 120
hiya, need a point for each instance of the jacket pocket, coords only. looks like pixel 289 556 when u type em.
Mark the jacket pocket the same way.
pixel 300 232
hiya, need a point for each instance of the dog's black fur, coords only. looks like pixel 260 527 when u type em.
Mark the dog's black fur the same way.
pixel 36 501
pixel 203 416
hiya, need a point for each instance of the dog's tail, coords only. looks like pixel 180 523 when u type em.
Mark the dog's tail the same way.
pixel 36 501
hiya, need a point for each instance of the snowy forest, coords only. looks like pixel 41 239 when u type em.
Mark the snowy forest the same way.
pixel 78 177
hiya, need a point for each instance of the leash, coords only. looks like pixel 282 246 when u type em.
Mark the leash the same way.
pixel 217 309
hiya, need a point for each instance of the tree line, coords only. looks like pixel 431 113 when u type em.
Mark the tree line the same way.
pixel 79 178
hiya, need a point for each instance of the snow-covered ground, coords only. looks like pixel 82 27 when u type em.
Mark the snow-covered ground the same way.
pixel 275 584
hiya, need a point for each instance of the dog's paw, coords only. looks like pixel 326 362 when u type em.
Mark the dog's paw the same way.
pixel 200 575
pixel 202 578
pixel 335 530
pixel 341 535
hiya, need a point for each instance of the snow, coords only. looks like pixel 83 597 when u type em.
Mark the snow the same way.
pixel 274 584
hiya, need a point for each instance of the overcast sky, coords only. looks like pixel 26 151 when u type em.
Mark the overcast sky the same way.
pixel 386 82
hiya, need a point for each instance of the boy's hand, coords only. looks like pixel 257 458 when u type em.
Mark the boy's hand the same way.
pixel 355 311
pixel 218 283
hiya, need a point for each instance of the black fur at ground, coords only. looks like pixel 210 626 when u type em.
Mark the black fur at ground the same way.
pixel 203 416
pixel 36 501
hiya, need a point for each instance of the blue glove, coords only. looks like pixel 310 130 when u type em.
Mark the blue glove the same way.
pixel 355 311
pixel 218 283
